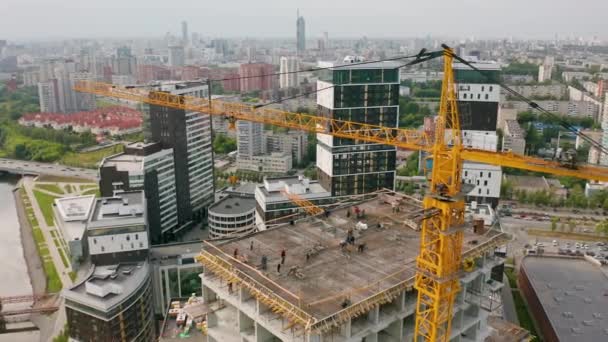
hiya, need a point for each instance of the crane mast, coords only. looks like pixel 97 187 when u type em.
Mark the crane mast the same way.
pixel 440 257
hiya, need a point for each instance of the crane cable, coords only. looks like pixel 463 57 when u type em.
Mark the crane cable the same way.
pixel 536 106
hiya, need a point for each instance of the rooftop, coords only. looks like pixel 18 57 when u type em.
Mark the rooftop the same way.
pixel 573 294
pixel 106 287
pixel 125 162
pixel 74 212
pixel 232 205
pixel 318 286
pixel 374 65
pixel 514 128
pixel 293 184
pixel 123 209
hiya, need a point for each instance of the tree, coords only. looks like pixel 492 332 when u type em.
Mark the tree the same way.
pixel 554 221
pixel 223 144
pixel 21 152
pixel 571 225
pixel 602 228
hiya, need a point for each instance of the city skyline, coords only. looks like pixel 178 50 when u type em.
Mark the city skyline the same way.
pixel 274 19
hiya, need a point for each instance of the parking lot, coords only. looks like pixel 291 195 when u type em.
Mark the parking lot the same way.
pixel 599 250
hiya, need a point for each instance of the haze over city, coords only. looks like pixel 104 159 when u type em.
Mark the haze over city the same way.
pixel 40 19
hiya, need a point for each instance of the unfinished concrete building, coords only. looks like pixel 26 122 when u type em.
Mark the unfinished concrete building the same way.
pixel 345 277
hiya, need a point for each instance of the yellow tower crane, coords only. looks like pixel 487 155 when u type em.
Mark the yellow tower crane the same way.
pixel 439 260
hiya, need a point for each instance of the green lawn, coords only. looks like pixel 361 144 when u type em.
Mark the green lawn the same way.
pixel 50 187
pixel 64 259
pixel 58 179
pixel 45 202
pixel 525 319
pixel 53 282
pixel 88 186
pixel 73 275
pixel 92 192
pixel 68 188
pixel 89 160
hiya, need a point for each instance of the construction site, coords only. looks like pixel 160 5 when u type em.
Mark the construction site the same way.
pixel 346 275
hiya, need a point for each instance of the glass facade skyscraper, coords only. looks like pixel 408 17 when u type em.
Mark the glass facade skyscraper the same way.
pixel 366 93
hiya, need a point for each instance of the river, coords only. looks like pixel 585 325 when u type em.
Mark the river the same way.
pixel 14 276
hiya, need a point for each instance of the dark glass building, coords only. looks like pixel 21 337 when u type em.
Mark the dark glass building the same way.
pixel 366 93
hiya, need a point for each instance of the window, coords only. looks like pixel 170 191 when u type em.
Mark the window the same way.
pixel 136 236
pixel 94 241
pixel 132 246
pixel 103 249
pixel 487 96
pixel 481 174
pixel 485 183
pixel 466 173
pixel 128 238
pixel 483 88
pixel 464 96
pixel 479 191
pixel 478 96
pixel 488 191
pixel 491 88
pixel 141 245
pixel 489 174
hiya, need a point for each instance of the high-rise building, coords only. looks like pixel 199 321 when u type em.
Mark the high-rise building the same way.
pixel 185 39
pixel 249 139
pixel 81 101
pixel 189 135
pixel 48 96
pixel 294 142
pixel 177 56
pixel 124 63
pixel 362 93
pixel 300 34
pixel 145 166
pixel 288 68
pixel 478 105
pixel 256 77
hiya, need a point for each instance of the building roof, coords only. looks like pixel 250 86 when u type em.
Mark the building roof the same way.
pixel 304 187
pixel 107 117
pixel 125 162
pixel 320 285
pixel 106 287
pixel 573 294
pixel 74 212
pixel 126 208
pixel 232 205
pixel 374 65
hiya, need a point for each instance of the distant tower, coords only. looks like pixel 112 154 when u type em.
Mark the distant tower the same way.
pixel 185 33
pixel 301 34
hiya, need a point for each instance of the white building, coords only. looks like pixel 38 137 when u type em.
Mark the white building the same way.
pixel 479 102
pixel 117 230
pixel 71 215
pixel 249 139
pixel 276 162
pixel 232 216
pixel 294 142
pixel 514 138
pixel 288 77
pixel 48 97
pixel 273 204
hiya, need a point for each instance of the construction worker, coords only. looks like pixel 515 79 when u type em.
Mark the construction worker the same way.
pixel 251 245
pixel 283 255
pixel 236 253
pixel 264 262
pixel 279 268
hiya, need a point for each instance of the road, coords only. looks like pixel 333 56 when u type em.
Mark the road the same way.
pixel 37 168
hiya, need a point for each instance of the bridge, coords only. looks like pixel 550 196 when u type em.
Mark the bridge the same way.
pixel 40 303
pixel 26 167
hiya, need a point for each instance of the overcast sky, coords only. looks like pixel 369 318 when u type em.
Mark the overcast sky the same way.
pixel 40 19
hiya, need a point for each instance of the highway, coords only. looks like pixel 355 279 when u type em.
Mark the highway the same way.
pixel 38 168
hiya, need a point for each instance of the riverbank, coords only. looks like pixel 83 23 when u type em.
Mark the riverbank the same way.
pixel 32 258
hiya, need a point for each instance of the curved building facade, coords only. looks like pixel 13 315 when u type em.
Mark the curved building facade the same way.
pixel 114 303
pixel 232 216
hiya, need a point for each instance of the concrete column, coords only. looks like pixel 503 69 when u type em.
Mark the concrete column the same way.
pixel 261 308
pixel 244 322
pixel 373 315
pixel 208 295
pixel 346 329
pixel 261 334
pixel 244 295
pixel 211 320
pixel 401 301
pixel 314 338
pixel 373 337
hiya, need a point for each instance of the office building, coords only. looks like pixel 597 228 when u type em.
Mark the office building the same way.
pixel 514 138
pixel 362 93
pixel 273 205
pixel 478 106
pixel 249 139
pixel 232 216
pixel 123 62
pixel 327 296
pixel 273 163
pixel 185 38
pixel 145 166
pixel 177 56
pixel 113 303
pixel 189 135
pixel 117 230
pixel 294 142
pixel 48 96
pixel 300 34
pixel 253 79
pixel 566 297
pixel 71 216
pixel 288 67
